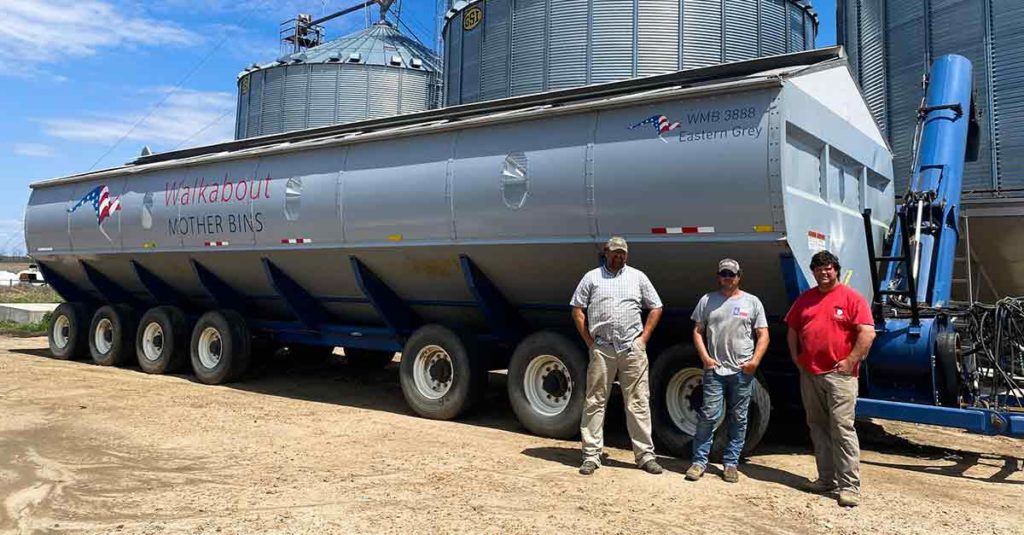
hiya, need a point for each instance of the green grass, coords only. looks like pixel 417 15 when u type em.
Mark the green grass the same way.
pixel 10 328
pixel 26 293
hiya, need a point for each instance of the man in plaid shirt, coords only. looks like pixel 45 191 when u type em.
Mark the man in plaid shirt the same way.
pixel 606 310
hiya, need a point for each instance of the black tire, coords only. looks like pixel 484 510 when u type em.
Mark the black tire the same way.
pixel 368 359
pixel 71 342
pixel 111 335
pixel 947 362
pixel 226 351
pixel 466 376
pixel 164 348
pixel 678 441
pixel 556 384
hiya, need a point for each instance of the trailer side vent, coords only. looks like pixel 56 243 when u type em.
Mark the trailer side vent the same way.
pixel 293 198
pixel 515 181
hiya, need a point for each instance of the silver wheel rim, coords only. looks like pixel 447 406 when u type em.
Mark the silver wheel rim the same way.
pixel 678 395
pixel 61 330
pixel 429 372
pixel 210 347
pixel 103 337
pixel 152 342
pixel 548 385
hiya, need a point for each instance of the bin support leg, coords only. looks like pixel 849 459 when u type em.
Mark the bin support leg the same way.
pixel 397 314
pixel 68 290
pixel 110 291
pixel 160 291
pixel 503 319
pixel 224 295
pixel 303 305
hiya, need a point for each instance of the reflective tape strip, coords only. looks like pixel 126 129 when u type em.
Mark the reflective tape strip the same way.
pixel 296 241
pixel 683 230
pixel 815 235
pixel 216 243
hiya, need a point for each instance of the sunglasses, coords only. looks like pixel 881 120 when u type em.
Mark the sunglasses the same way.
pixel 726 274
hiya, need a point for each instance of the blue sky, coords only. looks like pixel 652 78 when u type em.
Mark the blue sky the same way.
pixel 87 83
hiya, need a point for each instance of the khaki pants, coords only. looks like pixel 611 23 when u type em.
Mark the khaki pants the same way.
pixel 631 369
pixel 830 401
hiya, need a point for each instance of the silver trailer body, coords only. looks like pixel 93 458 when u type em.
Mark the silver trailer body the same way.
pixel 501 48
pixel 766 167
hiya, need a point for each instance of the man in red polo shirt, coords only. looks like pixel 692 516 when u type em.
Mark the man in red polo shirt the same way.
pixel 830 333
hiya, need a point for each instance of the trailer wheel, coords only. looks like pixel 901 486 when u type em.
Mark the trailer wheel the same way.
pixel 440 375
pixel 221 347
pixel 368 359
pixel 947 362
pixel 110 335
pixel 69 331
pixel 547 379
pixel 161 340
pixel 677 379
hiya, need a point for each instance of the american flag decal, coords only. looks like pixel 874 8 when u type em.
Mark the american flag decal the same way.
pixel 659 122
pixel 102 203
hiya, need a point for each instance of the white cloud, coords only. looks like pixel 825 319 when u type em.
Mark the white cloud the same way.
pixel 76 29
pixel 34 150
pixel 12 237
pixel 187 117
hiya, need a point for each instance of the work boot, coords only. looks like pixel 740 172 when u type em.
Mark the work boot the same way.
pixel 819 486
pixel 731 474
pixel 652 467
pixel 695 472
pixel 848 499
pixel 588 468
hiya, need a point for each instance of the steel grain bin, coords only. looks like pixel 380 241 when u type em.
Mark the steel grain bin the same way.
pixel 501 48
pixel 374 73
pixel 892 42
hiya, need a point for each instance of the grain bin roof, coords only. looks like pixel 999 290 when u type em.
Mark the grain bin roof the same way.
pixel 376 45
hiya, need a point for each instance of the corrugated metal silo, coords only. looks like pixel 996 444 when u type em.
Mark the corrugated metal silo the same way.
pixel 891 43
pixel 501 48
pixel 374 73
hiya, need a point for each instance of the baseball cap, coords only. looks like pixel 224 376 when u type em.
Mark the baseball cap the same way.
pixel 617 243
pixel 729 264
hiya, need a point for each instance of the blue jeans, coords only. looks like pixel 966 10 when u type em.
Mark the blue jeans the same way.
pixel 735 389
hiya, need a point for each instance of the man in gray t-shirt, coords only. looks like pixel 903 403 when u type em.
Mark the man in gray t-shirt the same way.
pixel 731 336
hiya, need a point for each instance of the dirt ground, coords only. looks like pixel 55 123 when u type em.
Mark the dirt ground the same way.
pixel 86 449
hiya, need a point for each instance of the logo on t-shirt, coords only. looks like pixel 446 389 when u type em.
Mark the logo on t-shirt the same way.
pixel 840 313
pixel 739 312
